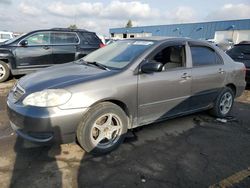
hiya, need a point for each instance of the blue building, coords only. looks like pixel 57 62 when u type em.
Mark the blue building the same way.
pixel 204 30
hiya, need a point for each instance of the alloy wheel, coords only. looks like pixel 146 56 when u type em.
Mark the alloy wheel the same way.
pixel 226 103
pixel 2 71
pixel 106 131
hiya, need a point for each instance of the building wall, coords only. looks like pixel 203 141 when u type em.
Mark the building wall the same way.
pixel 205 30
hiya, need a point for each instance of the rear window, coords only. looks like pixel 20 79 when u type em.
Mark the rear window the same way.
pixel 90 38
pixel 64 38
pixel 239 49
pixel 202 55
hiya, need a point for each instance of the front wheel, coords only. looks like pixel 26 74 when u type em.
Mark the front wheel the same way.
pixel 223 103
pixel 4 71
pixel 103 128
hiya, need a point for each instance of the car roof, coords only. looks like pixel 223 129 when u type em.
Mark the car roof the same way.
pixel 174 39
pixel 68 29
pixel 159 38
pixel 63 30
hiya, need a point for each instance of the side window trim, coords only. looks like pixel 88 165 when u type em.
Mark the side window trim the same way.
pixel 36 34
pixel 53 32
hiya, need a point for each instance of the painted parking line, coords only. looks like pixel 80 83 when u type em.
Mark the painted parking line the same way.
pixel 231 180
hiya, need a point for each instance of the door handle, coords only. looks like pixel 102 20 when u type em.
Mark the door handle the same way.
pixel 185 76
pixel 221 71
pixel 46 47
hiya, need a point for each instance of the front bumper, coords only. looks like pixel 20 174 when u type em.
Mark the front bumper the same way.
pixel 43 137
pixel 44 125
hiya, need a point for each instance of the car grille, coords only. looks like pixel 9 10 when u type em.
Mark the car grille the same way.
pixel 18 92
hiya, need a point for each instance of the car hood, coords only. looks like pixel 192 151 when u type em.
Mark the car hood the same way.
pixel 61 76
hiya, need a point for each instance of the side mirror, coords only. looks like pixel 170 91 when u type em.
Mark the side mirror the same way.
pixel 151 67
pixel 24 43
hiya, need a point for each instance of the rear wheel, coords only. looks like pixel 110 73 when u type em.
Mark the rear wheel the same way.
pixel 4 71
pixel 223 103
pixel 103 128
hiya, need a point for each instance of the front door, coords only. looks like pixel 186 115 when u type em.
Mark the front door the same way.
pixel 166 93
pixel 36 53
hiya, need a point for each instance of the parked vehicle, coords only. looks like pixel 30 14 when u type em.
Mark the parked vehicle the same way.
pixel 43 48
pixel 110 41
pixel 124 85
pixel 241 53
pixel 4 36
pixel 225 45
pixel 102 38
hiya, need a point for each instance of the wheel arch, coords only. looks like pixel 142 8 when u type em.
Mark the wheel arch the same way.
pixel 122 105
pixel 5 60
pixel 8 62
pixel 233 87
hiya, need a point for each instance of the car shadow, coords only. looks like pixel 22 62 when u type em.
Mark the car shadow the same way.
pixel 96 171
pixel 116 169
pixel 190 151
pixel 35 165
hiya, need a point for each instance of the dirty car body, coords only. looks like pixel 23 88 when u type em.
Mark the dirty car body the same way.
pixel 178 86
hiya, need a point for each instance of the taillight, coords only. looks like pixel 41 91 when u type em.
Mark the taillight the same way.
pixel 102 45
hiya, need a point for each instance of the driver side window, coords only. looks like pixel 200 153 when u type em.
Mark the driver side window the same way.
pixel 171 57
pixel 39 39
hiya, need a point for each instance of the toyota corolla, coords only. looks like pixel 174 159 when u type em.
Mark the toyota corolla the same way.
pixel 129 83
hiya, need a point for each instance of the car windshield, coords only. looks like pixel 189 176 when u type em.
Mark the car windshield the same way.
pixel 119 54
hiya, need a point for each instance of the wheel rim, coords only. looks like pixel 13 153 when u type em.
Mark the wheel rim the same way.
pixel 106 131
pixel 226 103
pixel 2 71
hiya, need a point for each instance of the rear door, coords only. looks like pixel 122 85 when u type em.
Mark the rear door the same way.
pixel 37 53
pixel 208 75
pixel 64 46
pixel 166 93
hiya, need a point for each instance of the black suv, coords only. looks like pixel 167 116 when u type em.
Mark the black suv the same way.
pixel 43 48
pixel 241 52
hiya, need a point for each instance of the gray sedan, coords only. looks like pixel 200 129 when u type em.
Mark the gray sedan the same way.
pixel 126 84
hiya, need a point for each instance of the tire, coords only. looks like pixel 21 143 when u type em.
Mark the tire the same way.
pixel 4 71
pixel 226 97
pixel 96 134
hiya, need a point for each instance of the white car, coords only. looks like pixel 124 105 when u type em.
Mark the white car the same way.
pixel 4 36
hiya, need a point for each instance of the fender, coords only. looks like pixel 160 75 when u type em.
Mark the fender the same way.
pixel 7 56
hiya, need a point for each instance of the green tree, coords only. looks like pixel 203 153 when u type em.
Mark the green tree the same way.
pixel 72 26
pixel 129 24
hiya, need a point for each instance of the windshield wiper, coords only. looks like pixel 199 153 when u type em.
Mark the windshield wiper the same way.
pixel 98 65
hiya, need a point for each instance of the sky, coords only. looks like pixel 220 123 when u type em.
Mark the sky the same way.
pixel 100 15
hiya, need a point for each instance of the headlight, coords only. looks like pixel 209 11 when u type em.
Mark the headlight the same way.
pixel 48 98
